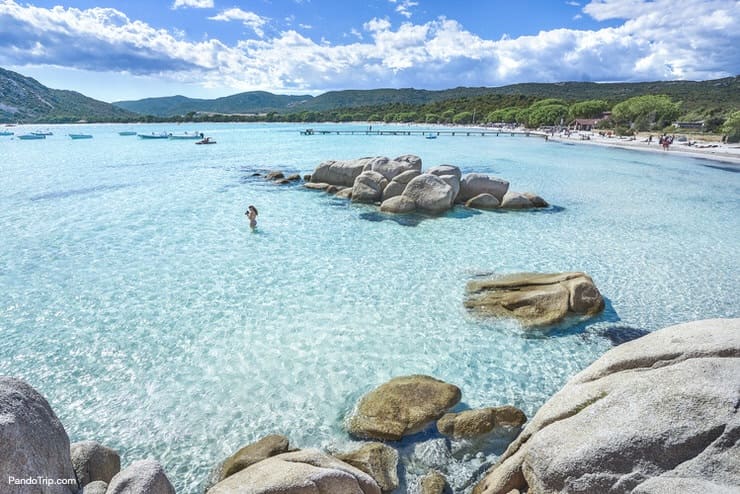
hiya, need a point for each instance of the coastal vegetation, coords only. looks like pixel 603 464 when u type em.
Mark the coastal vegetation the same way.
pixel 634 106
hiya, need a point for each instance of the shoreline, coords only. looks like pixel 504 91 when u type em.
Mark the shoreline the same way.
pixel 722 153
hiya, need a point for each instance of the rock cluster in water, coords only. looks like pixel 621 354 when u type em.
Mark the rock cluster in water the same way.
pixel 400 186
pixel 535 299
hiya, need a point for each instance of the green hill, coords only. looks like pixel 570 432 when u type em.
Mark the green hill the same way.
pixel 696 98
pixel 23 99
pixel 249 102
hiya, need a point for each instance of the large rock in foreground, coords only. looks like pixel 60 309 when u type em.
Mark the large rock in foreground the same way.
pixel 654 415
pixel 267 447
pixel 377 460
pixel 94 462
pixel 141 477
pixel 402 406
pixel 300 472
pixel 33 442
pixel 535 299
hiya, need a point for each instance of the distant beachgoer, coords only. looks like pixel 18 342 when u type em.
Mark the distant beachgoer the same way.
pixel 252 215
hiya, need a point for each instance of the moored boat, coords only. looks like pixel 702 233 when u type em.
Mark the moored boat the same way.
pixel 42 133
pixel 206 140
pixel 80 136
pixel 127 133
pixel 31 137
pixel 161 135
pixel 187 135
pixel 6 133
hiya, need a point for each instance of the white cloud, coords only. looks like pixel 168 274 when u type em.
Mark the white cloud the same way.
pixel 305 26
pixel 403 7
pixel 196 4
pixel 701 42
pixel 573 4
pixel 253 21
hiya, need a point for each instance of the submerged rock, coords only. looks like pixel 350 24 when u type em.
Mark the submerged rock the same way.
pixel 33 442
pixel 92 461
pixel 474 423
pixel 434 483
pixel 274 175
pixel 377 460
pixel 535 299
pixel 402 406
pixel 298 472
pixel 654 415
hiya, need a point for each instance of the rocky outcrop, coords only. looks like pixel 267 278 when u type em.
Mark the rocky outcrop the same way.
pixel 398 205
pixel 392 168
pixel 250 454
pixel 515 200
pixel 535 299
pixel 94 462
pixel 339 172
pixel 141 477
pixel 368 187
pixel 430 194
pixel 474 423
pixel 473 184
pixel 399 183
pixel 402 406
pixel 274 175
pixel 298 472
pixel 33 442
pixel 441 170
pixel 653 415
pixel 433 192
pixel 378 461
pixel 483 201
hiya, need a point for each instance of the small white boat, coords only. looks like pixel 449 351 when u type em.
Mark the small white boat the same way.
pixel 80 136
pixel 31 137
pixel 187 135
pixel 127 133
pixel 161 135
pixel 430 136
pixel 6 133
pixel 43 133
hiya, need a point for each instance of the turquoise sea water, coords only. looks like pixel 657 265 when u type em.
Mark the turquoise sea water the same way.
pixel 135 298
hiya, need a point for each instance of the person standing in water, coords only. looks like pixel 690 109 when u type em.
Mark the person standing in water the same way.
pixel 252 215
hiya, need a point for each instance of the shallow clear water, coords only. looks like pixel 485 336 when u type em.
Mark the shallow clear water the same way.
pixel 135 298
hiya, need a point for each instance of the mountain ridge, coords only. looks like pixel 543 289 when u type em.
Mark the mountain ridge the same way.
pixel 24 99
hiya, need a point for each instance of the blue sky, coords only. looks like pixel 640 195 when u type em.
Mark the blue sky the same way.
pixel 114 50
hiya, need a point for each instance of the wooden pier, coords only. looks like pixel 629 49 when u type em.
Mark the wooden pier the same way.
pixel 429 134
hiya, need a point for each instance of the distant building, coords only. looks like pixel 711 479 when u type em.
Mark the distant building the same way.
pixel 584 123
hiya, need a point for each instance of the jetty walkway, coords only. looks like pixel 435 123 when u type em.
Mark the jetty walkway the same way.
pixel 425 133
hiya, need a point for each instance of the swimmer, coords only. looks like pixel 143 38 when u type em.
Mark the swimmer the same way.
pixel 252 215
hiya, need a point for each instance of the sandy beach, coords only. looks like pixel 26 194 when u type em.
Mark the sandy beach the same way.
pixel 726 153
